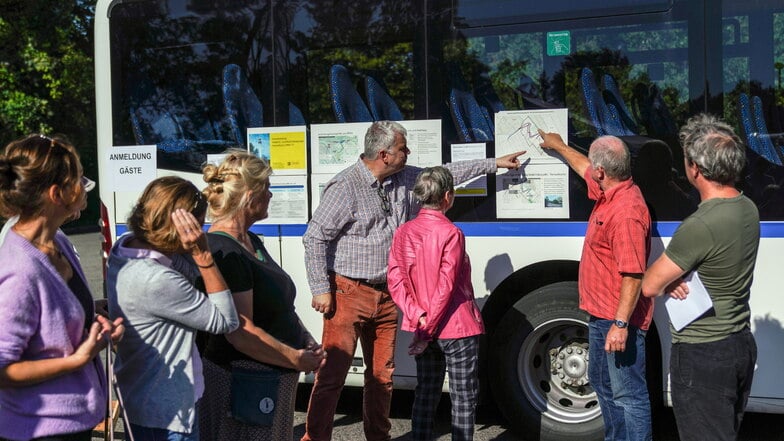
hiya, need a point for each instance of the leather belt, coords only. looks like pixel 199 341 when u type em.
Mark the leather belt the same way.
pixel 378 286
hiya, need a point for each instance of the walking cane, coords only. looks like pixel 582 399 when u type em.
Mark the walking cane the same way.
pixel 113 384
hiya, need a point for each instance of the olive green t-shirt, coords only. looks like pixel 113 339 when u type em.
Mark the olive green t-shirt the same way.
pixel 720 240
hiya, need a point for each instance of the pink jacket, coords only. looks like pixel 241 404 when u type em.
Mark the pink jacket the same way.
pixel 429 273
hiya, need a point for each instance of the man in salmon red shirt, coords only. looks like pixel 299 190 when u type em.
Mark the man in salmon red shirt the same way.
pixel 614 257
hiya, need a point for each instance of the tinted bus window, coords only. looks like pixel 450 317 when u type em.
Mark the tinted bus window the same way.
pixel 752 49
pixel 641 65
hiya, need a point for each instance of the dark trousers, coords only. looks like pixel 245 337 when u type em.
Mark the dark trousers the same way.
pixel 710 386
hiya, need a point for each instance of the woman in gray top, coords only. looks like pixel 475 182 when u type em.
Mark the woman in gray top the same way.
pixel 158 367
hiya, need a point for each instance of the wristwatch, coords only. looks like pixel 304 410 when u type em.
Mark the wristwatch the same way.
pixel 620 324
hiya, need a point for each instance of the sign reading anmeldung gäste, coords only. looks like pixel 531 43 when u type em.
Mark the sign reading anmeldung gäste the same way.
pixel 130 168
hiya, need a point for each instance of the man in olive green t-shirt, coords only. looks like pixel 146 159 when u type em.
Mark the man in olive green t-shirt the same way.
pixel 713 357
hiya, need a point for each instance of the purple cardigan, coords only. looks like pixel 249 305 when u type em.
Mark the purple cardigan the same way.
pixel 41 318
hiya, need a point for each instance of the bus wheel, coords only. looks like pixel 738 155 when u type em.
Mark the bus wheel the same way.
pixel 539 367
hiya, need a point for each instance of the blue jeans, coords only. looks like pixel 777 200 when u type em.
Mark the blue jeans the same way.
pixel 141 433
pixel 619 381
pixel 710 386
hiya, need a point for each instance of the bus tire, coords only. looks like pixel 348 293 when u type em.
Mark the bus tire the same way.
pixel 539 367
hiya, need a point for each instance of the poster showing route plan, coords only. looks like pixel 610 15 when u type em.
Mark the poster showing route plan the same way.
pixel 540 188
pixel 336 146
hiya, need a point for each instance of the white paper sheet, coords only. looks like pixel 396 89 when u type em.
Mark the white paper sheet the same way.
pixel 683 312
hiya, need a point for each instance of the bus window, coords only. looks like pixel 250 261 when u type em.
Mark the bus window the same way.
pixel 364 39
pixel 640 68
pixel 168 63
pixel 753 96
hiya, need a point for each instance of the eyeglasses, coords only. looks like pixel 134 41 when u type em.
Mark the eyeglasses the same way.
pixel 53 144
pixel 198 200
pixel 384 200
pixel 87 183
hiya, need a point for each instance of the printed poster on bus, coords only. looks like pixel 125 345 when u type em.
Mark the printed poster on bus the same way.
pixel 317 184
pixel 540 189
pixel 283 147
pixel 476 186
pixel 336 146
pixel 289 203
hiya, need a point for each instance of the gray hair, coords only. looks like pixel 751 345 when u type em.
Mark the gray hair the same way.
pixel 432 184
pixel 381 136
pixel 711 143
pixel 611 153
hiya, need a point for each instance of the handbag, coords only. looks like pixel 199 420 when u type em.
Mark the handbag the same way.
pixel 254 395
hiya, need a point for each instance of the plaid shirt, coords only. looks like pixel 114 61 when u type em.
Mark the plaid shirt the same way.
pixel 617 241
pixel 351 232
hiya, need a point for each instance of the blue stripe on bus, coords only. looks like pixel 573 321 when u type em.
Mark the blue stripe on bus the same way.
pixel 507 229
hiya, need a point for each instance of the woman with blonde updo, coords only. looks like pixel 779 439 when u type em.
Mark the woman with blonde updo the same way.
pixel 251 374
pixel 52 384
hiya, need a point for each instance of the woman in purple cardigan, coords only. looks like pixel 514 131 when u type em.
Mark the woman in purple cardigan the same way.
pixel 52 384
pixel 430 280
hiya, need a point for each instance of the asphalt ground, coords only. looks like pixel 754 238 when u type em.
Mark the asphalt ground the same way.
pixel 490 425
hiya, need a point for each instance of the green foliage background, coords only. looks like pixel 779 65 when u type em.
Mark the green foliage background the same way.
pixel 46 77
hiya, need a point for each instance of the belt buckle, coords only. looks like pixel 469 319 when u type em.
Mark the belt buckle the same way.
pixel 380 286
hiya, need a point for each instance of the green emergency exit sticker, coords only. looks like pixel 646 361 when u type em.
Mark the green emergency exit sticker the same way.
pixel 559 43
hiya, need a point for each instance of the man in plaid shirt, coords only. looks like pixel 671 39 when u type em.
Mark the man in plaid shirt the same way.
pixel 346 248
pixel 614 258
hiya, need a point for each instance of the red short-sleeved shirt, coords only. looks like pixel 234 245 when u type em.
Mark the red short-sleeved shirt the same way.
pixel 617 241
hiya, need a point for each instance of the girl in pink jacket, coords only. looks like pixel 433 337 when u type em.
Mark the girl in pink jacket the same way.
pixel 430 280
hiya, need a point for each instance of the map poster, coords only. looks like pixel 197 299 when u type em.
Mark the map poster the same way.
pixel 284 147
pixel 336 146
pixel 540 189
pixel 517 130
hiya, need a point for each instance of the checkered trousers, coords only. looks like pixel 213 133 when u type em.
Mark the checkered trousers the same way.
pixel 460 358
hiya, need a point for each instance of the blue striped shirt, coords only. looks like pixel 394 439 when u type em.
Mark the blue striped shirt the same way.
pixel 350 232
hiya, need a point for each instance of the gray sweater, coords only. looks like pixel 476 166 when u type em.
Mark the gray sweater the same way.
pixel 157 366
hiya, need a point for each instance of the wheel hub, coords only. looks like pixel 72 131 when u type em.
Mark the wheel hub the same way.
pixel 569 364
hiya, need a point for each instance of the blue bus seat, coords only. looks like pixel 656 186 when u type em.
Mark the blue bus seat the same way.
pixel 381 105
pixel 296 118
pixel 751 131
pixel 155 126
pixel 471 123
pixel 605 120
pixel 346 102
pixel 612 95
pixel 487 97
pixel 593 100
pixel 242 106
pixel 763 134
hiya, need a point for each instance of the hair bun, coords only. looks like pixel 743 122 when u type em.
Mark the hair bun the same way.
pixel 8 174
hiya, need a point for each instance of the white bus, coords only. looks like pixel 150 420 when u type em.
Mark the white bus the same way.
pixel 190 76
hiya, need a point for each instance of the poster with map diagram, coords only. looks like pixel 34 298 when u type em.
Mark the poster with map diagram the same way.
pixel 540 189
pixel 336 146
